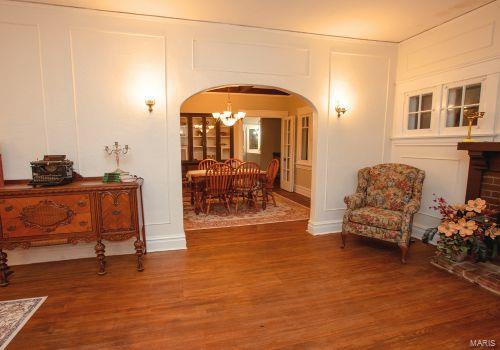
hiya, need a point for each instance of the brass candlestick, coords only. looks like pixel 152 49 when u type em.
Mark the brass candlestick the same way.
pixel 471 116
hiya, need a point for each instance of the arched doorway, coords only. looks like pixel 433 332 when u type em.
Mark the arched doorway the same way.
pixel 278 124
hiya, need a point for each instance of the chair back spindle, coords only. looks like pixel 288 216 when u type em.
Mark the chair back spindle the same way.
pixel 246 177
pixel 233 163
pixel 206 163
pixel 219 178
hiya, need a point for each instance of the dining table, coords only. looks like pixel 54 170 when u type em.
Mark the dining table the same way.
pixel 197 179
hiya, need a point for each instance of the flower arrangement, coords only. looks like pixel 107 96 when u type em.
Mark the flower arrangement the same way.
pixel 466 230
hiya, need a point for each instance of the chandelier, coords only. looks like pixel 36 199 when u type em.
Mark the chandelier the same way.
pixel 228 118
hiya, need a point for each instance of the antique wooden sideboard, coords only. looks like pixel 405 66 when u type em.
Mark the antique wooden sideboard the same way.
pixel 83 211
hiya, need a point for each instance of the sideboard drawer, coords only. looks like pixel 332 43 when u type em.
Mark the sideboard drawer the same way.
pixel 116 211
pixel 36 216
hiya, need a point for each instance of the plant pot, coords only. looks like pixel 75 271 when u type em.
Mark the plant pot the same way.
pixel 459 256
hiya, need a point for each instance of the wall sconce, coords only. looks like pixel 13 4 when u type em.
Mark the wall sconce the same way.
pixel 150 103
pixel 340 110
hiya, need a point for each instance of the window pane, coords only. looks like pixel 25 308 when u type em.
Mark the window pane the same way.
pixel 468 111
pixel 412 121
pixel 305 144
pixel 453 117
pixel 455 97
pixel 414 103
pixel 425 120
pixel 472 94
pixel 426 102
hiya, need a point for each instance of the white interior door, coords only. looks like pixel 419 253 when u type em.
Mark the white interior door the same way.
pixel 287 153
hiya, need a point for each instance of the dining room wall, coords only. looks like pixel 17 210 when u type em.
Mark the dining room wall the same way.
pixel 74 80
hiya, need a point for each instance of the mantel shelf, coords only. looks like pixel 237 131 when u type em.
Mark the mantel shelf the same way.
pixel 479 146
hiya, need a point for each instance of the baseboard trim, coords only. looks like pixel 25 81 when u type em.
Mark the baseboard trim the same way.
pixel 303 191
pixel 418 232
pixel 163 244
pixel 324 227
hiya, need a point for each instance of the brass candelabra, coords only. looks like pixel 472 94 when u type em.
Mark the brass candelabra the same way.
pixel 117 150
pixel 471 116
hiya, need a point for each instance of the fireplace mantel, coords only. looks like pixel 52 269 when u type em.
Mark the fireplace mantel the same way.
pixel 484 171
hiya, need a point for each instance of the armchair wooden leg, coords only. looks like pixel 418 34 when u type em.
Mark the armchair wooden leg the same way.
pixel 404 252
pixel 343 236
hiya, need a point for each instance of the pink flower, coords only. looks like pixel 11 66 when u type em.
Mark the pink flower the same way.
pixel 448 228
pixel 477 205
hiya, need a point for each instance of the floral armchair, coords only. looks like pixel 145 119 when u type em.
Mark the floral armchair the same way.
pixel 387 197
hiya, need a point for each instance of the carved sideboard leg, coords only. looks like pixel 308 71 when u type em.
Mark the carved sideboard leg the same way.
pixel 99 250
pixel 139 252
pixel 4 270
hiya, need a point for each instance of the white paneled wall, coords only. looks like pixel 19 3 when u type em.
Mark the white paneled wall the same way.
pixel 465 48
pixel 75 80
pixel 23 121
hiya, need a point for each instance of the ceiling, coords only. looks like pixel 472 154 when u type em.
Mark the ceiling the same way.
pixel 249 89
pixel 384 20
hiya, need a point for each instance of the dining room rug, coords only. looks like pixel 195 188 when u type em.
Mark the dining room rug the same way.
pixel 286 210
pixel 13 316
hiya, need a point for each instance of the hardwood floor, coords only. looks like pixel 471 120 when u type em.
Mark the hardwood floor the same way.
pixel 301 199
pixel 256 287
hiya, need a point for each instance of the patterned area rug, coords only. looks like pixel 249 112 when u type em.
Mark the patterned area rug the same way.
pixel 13 316
pixel 286 210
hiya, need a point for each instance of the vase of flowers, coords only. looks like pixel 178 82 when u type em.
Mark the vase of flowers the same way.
pixel 466 231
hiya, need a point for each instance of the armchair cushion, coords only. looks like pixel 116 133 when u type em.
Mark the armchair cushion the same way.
pixel 390 186
pixel 377 217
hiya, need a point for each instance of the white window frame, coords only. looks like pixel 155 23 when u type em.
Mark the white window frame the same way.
pixel 299 127
pixel 462 129
pixel 434 111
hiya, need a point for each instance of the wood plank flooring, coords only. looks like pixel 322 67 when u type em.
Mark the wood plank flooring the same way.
pixel 256 287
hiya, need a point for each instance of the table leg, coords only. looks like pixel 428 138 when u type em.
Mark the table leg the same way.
pixel 198 198
pixel 193 188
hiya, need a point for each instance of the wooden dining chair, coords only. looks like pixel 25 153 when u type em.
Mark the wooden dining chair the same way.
pixel 246 183
pixel 205 164
pixel 218 185
pixel 268 184
pixel 233 162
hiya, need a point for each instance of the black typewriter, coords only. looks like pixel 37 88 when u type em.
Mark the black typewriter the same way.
pixel 53 170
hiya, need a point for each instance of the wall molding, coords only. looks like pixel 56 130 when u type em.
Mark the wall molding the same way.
pixel 489 27
pixel 303 191
pixel 303 166
pixel 169 243
pixel 329 111
pixel 81 169
pixel 431 158
pixel 324 227
pixel 248 47
pixel 36 27
pixel 438 71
